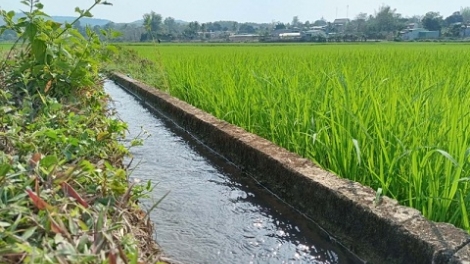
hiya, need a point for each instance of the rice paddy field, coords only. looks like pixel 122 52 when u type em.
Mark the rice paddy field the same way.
pixel 390 116
pixel 4 47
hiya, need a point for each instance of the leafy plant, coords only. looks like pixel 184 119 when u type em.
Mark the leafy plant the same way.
pixel 54 58
pixel 64 192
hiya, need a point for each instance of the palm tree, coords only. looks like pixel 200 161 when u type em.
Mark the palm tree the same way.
pixel 153 24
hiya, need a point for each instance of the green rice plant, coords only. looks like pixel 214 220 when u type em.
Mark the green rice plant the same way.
pixel 390 116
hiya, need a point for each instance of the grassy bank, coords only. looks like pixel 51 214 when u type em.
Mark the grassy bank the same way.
pixel 390 116
pixel 65 196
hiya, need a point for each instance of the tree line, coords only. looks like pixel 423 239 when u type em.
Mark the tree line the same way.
pixel 386 23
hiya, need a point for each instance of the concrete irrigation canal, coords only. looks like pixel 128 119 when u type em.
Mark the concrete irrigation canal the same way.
pixel 219 209
pixel 214 213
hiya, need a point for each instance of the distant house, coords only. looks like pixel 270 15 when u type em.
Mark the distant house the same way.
pixel 465 32
pixel 244 38
pixel 419 33
pixel 463 29
pixel 290 36
pixel 311 34
pixel 318 28
pixel 413 26
pixel 276 34
pixel 219 34
pixel 340 23
pixel 429 34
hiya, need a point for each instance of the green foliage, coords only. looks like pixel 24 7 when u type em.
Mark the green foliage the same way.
pixel 153 25
pixel 465 12
pixel 393 117
pixel 386 23
pixel 432 21
pixel 53 59
pixel 64 193
pixel 129 61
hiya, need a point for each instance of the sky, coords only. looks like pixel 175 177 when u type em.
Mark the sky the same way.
pixel 242 10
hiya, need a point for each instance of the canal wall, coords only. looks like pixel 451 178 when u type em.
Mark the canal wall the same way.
pixel 379 233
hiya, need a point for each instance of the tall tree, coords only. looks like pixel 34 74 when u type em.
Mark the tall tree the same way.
pixel 295 21
pixel 235 27
pixel 307 24
pixel 170 25
pixel 204 30
pixel 453 31
pixel 415 19
pixel 360 23
pixel 247 28
pixel 456 17
pixel 203 27
pixel 465 12
pixel 432 21
pixel 214 26
pixel 153 25
pixel 280 25
pixel 191 30
pixel 388 20
pixel 320 22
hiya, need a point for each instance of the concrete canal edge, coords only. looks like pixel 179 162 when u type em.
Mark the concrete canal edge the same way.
pixel 386 233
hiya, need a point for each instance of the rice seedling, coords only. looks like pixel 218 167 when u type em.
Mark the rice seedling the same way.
pixel 390 116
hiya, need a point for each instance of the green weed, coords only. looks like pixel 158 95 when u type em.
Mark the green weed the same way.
pixel 64 192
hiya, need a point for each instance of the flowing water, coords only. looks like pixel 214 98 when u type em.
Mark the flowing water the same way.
pixel 214 213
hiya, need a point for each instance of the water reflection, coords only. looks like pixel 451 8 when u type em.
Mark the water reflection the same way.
pixel 214 213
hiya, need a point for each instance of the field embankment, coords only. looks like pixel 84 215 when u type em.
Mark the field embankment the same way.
pixel 388 116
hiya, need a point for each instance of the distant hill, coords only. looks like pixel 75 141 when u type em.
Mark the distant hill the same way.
pixel 62 19
pixel 138 22
pixel 84 21
pixel 141 21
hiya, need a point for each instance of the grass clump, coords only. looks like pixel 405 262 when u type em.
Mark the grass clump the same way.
pixel 64 192
pixel 389 116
